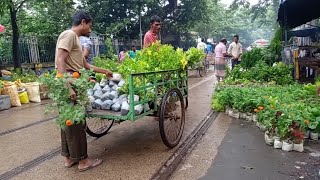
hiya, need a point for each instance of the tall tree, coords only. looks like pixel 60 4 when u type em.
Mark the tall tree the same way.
pixel 14 7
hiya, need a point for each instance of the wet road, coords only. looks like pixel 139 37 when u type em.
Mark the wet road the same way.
pixel 132 150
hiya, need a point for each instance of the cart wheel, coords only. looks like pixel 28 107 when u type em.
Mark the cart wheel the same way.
pixel 207 66
pixel 172 118
pixel 97 127
pixel 186 102
pixel 202 71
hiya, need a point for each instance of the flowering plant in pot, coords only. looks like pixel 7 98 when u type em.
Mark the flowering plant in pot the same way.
pixel 297 136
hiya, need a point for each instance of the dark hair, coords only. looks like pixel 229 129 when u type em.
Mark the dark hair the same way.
pixel 124 49
pixel 79 16
pixel 202 39
pixel 155 19
pixel 237 36
pixel 223 40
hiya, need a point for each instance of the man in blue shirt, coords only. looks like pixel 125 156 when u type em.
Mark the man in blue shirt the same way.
pixel 87 49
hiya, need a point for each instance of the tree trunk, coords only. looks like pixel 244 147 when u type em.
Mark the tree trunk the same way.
pixel 15 38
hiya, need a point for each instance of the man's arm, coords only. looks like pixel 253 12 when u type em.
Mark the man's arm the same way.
pixel 230 49
pixel 61 60
pixel 96 69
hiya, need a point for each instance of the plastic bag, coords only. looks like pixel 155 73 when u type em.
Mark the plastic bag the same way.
pixel 23 96
pixel 269 140
pixel 298 147
pixel 33 90
pixel 286 146
pixel 138 109
pixel 124 108
pixel 277 143
pixel 106 105
pixel 12 91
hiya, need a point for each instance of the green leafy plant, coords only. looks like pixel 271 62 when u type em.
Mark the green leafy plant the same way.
pixel 59 91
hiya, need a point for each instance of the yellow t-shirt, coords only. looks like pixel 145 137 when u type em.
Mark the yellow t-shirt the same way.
pixel 70 41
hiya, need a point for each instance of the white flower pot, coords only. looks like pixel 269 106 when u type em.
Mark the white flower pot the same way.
pixel 254 118
pixel 227 110
pixel 277 143
pixel 249 117
pixel 314 136
pixel 269 140
pixel 298 147
pixel 287 146
pixel 307 134
pixel 234 114
pixel 243 115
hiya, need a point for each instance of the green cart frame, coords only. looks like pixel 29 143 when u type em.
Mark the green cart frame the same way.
pixel 165 92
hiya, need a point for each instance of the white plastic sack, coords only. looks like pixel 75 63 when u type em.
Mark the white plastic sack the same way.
pixel 269 140
pixel 98 94
pixel 116 107
pixel 106 105
pixel 111 83
pixel 33 90
pixel 254 118
pixel 314 136
pixel 277 143
pixel 97 104
pixel 124 108
pixel 115 87
pixel 135 97
pixel 105 96
pixel 286 146
pixel 298 147
pixel 96 87
pixel 116 77
pixel 106 89
pixel 121 83
pixel 234 114
pixel 90 92
pixel 243 115
pixel 113 94
pixel 138 109
pixel 146 107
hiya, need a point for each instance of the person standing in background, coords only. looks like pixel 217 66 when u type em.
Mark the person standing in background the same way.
pixel 220 63
pixel 87 50
pixel 122 55
pixel 152 35
pixel 133 52
pixel 235 50
pixel 202 45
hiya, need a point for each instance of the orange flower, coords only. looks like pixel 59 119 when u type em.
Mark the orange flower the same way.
pixel 75 75
pixel 260 107
pixel 59 75
pixel 306 121
pixel 256 110
pixel 68 122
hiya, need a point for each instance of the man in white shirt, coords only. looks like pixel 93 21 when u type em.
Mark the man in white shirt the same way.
pixel 202 45
pixel 235 50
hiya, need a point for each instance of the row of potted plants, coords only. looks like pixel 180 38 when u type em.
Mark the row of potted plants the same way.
pixel 288 114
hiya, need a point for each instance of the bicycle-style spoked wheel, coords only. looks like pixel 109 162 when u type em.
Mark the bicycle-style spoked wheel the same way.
pixel 172 118
pixel 97 127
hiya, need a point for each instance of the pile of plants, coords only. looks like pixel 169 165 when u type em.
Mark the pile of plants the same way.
pixel 287 113
pixel 112 94
pixel 279 73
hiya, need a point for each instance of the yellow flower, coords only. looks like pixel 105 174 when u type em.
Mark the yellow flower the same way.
pixel 184 62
